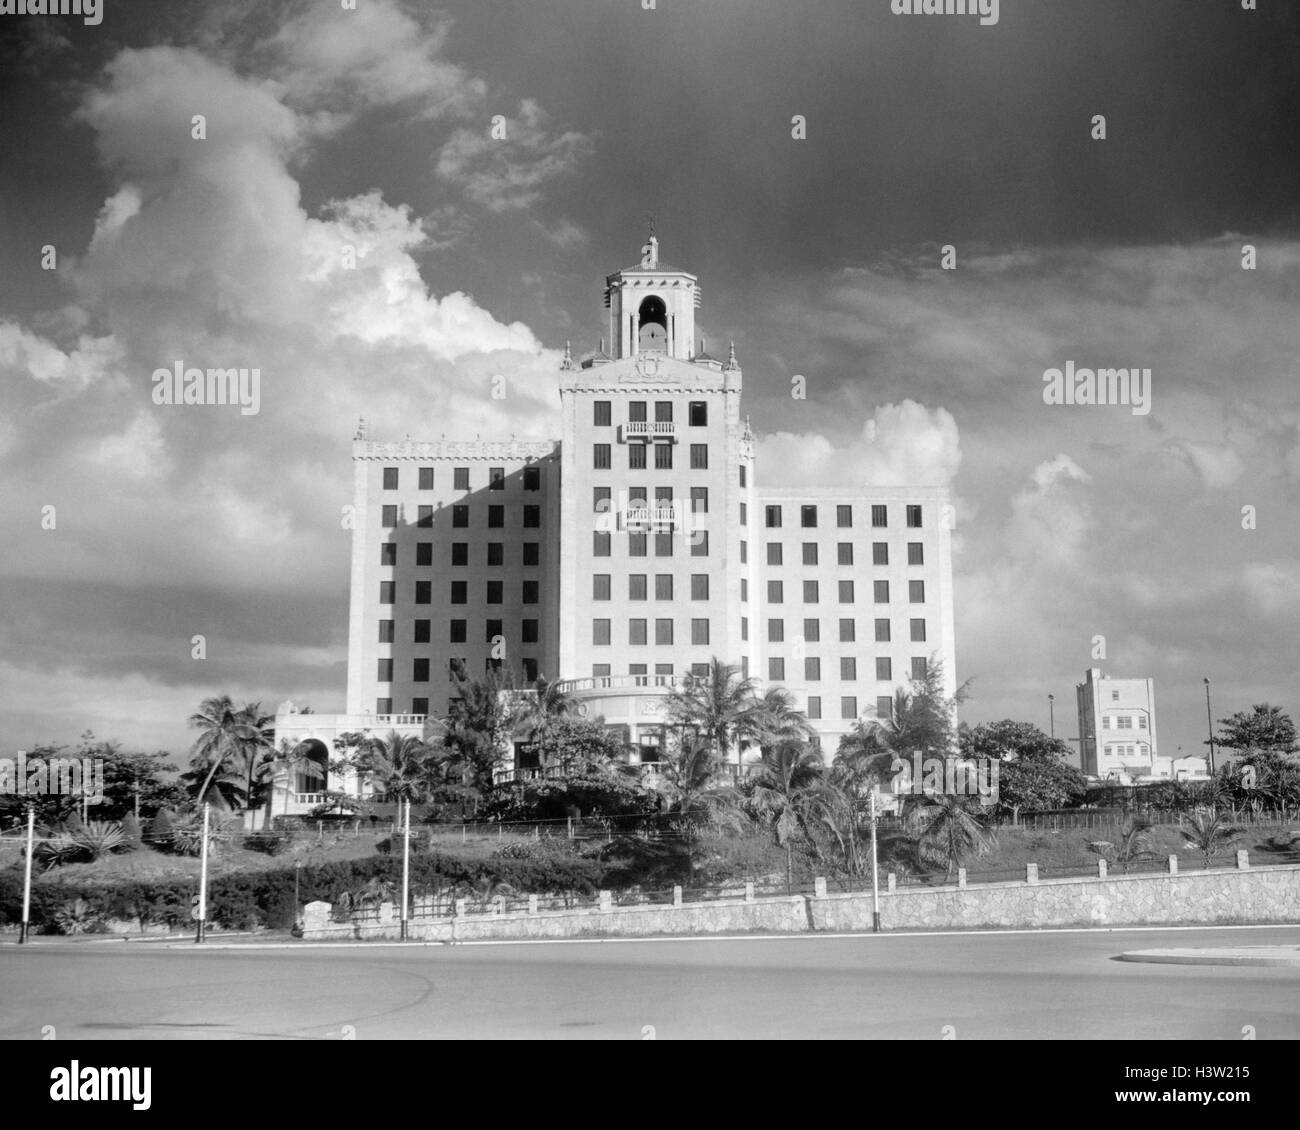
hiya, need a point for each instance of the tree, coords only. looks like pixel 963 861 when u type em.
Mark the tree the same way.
pixel 773 719
pixel 1134 845
pixel 950 830
pixel 479 726
pixel 579 745
pixel 788 791
pixel 548 703
pixel 235 748
pixel 1033 773
pixel 688 782
pixel 1265 728
pixel 402 766
pixel 1208 831
pixel 718 707
pixel 922 720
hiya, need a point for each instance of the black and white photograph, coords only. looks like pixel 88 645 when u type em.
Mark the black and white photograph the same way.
pixel 550 520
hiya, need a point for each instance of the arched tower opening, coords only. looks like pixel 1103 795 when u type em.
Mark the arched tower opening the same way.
pixel 652 325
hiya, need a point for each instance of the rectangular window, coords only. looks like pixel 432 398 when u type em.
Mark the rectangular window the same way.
pixel 532 517
pixel 460 553
pixel 636 632
pixel 600 586
pixel 636 586
pixel 848 631
pixel 663 456
pixel 774 553
pixel 532 553
pixel 636 545
pixel 811 592
pixel 882 631
pixel 846 592
pixel 496 517
pixel 388 553
pixel 663 586
pixel 914 517
pixel 496 553
pixel 699 586
pixel 460 517
pixel 812 669
pixel 600 633
pixel 601 415
pixel 420 705
pixel 880 591
pixel 814 710
pixel 700 543
pixel 386 630
pixel 423 592
pixel 880 517
pixel 664 411
pixel 700 632
pixel 776 669
pixel 915 553
pixel 385 671
pixel 532 478
pixel 663 632
pixel 383 706
pixel 495 592
pixel 699 500
pixel 420 671
pixel 388 517
pixel 884 707
pixel 496 478
pixel 880 553
pixel 636 411
pixel 776 631
pixel 744 627
pixel 601 500
pixel 848 669
pixel 916 592
pixel 808 517
pixel 844 553
pixel 390 478
pixel 772 517
pixel 812 631
pixel 387 592
pixel 663 544
pixel 424 553
pixel 460 478
pixel 456 669
pixel 810 553
pixel 699 457
pixel 600 670
pixel 663 497
pixel 775 592
pixel 884 669
pixel 918 668
pixel 529 633
pixel 459 631
pixel 531 589
pixel 744 588
pixel 424 516
pixel 459 592
pixel 744 514
pixel 426 478
pixel 636 456
pixel 743 476
pixel 844 517
pixel 601 456
pixel 600 543
pixel 918 631
pixel 849 707
pixel 744 552
pixel 699 413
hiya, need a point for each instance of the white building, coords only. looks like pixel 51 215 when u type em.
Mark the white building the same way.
pixel 624 555
pixel 1117 729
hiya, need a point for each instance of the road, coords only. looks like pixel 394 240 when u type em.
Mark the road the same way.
pixel 1043 986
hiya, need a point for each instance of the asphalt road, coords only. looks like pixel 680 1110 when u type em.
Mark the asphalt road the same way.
pixel 1042 986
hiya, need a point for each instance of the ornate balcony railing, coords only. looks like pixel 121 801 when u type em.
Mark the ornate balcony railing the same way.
pixel 650 429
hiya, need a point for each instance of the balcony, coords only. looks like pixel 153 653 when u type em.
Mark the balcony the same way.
pixel 622 682
pixel 632 516
pixel 650 430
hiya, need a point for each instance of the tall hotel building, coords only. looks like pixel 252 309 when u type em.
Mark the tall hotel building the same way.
pixel 634 548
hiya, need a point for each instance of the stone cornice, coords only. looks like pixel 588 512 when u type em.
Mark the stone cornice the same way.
pixel 455 449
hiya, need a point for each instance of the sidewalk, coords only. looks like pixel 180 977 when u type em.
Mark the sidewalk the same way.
pixel 1223 955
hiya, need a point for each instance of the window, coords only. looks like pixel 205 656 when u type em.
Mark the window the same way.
pixel 700 500
pixel 814 710
pixel 532 517
pixel 699 586
pixel 530 667
pixel 698 413
pixel 460 517
pixel 495 591
pixel 810 553
pixel 496 553
pixel 914 517
pixel 1123 722
pixel 700 543
pixel 496 478
pixel 811 592
pixel 744 627
pixel 530 592
pixel 424 553
pixel 455 669
pixel 459 592
pixel 663 456
pixel 916 592
pixel 918 631
pixel 385 671
pixel 601 500
pixel 848 631
pixel 742 475
pixel 776 669
pixel 600 543
pixel 420 705
pixel 600 670
pixel 532 552
pixel 387 592
pixel 383 706
pixel 812 631
pixel 600 632
pixel 884 706
pixel 744 552
pixel 915 553
pixel 700 632
pixel 529 631
pixel 636 586
pixel 636 632
pixel 844 517
pixel 636 456
pixel 636 412
pixel 663 497
pixel 918 668
pixel 879 553
pixel 808 517
pixel 776 631
pixel 424 516
pixel 844 553
pixel 460 553
pixel 460 478
pixel 459 631
pixel 775 592
pixel 884 669
pixel 880 517
pixel 699 456
pixel 1105 721
pixel 420 671
pixel 600 586
pixel 772 517
pixel 848 669
pixel 664 544
pixel 1114 696
pixel 388 553
pixel 601 456
pixel 880 591
pixel 663 586
pixel 700 671
pixel 532 478
pixel 386 630
pixel 423 592
pixel 664 411
pixel 744 514
pixel 849 706
pixel 846 592
pixel 601 415
pixel 882 631
pixel 636 544
pixel 1142 721
pixel 812 669
pixel 663 633
pixel 774 553
pixel 388 517
pixel 390 478
pixel 496 517
pixel 426 478
pixel 744 588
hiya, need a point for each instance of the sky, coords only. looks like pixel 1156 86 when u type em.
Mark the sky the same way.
pixel 328 128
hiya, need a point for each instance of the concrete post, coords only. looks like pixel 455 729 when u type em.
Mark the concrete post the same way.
pixel 1101 869
pixel 1031 872
pixel 1173 865
pixel 461 907
pixel 677 896
pixel 891 882
pixel 1243 859
pixel 499 905
pixel 606 902
pixel 532 904
pixel 961 878
pixel 749 892
pixel 819 888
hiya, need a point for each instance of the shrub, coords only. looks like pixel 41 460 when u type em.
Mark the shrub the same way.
pixel 57 848
pixel 132 839
pixel 99 838
pixel 77 916
pixel 270 843
pixel 160 830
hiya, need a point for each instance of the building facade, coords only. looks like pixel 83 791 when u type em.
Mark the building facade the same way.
pixel 639 544
pixel 1117 728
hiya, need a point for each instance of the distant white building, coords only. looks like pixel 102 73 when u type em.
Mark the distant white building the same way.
pixel 1117 731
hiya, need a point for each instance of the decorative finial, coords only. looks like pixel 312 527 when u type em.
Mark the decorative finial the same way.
pixel 567 363
pixel 361 429
pixel 732 363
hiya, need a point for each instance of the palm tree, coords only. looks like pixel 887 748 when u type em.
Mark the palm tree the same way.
pixel 949 830
pixel 688 780
pixel 719 707
pixel 233 745
pixel 290 758
pixel 478 729
pixel 402 765
pixel 774 719
pixel 548 702
pixel 788 791
pixel 1208 831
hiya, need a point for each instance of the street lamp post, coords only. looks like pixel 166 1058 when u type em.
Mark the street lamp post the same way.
pixel 1209 721
pixel 1051 714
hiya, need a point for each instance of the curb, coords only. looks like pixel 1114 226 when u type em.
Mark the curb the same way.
pixel 1257 956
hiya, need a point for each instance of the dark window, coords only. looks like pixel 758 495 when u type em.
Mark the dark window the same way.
pixel 602 417
pixel 699 586
pixel 419 705
pixel 531 589
pixel 881 591
pixel 776 631
pixel 491 630
pixel 460 516
pixel 808 516
pixel 916 592
pixel 385 671
pixel 424 553
pixel 496 478
pixel 600 585
pixel 637 586
pixel 915 553
pixel 744 627
pixel 882 631
pixel 600 543
pixel 664 411
pixel 388 553
pixel 600 456
pixel 774 553
pixel 776 669
pixel 743 475
pixel 420 671
pixel 884 669
pixel 530 665
pixel 496 517
pixel 387 592
pixel 390 478
pixel 459 631
pixel 744 552
pixel 879 553
pixel 699 413
pixel 772 517
pixel 663 586
pixel 814 707
pixel 636 632
pixel 424 516
pixel 532 553
pixel 496 553
pixel 386 629
pixel 812 669
pixel 699 456
pixel 460 478
pixel 460 553
pixel 880 516
pixel 844 516
pixel 601 499
pixel 918 631
pixel 914 517
pixel 495 591
pixel 663 632
pixel 812 631
pixel 636 411
pixel 532 478
pixel 421 634
pixel 918 668
pixel 744 514
pixel 775 592
pixel 811 592
pixel 848 631
pixel 532 517
pixel 528 633
pixel 459 592
pixel 846 592
pixel 663 456
pixel 848 669
pixel 663 545
pixel 636 456
pixel 423 592
pixel 700 543
pixel 600 670
pixel 426 478
pixel 849 706
pixel 388 517
pixel 810 553
pixel 383 706
pixel 884 706
pixel 636 545
pixel 700 500
pixel 699 632
pixel 844 553
pixel 600 632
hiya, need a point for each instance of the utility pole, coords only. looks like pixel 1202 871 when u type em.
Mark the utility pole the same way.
pixel 27 875
pixel 1051 713
pixel 875 879
pixel 1209 721
pixel 203 881
pixel 406 864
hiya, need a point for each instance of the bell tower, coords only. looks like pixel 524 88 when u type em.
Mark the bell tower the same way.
pixel 652 308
